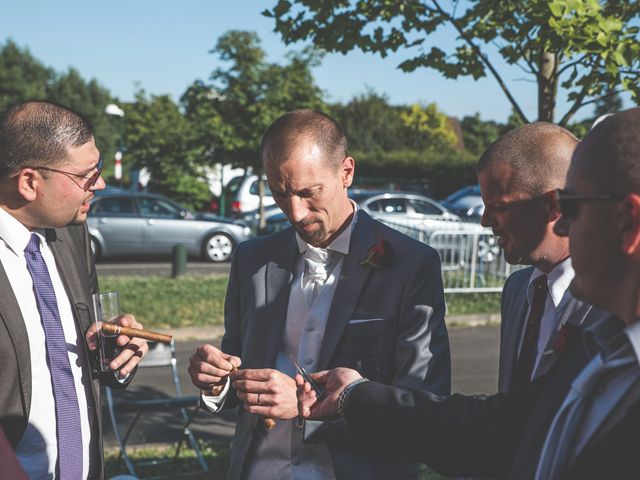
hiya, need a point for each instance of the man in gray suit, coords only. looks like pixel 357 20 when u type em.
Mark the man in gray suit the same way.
pixel 518 175
pixel 50 396
pixel 336 289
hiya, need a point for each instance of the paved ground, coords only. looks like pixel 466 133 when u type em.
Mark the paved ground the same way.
pixel 151 266
pixel 475 365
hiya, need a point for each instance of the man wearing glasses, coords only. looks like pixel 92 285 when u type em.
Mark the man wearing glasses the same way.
pixel 50 398
pixel 581 420
pixel 518 176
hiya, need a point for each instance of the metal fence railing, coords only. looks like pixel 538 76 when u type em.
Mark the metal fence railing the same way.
pixel 471 258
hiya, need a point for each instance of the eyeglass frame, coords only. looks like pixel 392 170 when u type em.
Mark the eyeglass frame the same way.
pixel 91 180
pixel 567 200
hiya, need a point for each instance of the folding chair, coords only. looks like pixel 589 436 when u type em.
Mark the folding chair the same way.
pixel 159 355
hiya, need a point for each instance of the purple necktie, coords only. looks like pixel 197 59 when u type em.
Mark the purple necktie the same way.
pixel 69 466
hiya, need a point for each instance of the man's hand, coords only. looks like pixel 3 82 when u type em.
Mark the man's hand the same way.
pixel 132 349
pixel 209 367
pixel 332 383
pixel 266 392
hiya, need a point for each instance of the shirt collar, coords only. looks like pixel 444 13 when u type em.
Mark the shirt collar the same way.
pixel 558 281
pixel 633 332
pixel 339 244
pixel 15 235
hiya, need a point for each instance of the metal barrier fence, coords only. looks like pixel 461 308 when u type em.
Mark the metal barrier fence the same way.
pixel 470 256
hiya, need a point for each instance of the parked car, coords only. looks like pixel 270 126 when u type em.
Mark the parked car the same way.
pixel 136 223
pixel 466 203
pixel 243 196
pixel 406 205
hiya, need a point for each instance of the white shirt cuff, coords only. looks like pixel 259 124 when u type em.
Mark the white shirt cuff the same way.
pixel 214 403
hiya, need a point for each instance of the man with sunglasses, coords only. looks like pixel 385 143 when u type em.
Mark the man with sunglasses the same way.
pixel 581 420
pixel 50 398
pixel 518 176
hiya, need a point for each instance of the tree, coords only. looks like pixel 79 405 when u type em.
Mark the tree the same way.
pixel 582 46
pixel 245 96
pixel 479 134
pixel 159 138
pixel 22 77
pixel 426 126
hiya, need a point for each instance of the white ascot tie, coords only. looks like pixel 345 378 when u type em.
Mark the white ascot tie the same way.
pixel 316 265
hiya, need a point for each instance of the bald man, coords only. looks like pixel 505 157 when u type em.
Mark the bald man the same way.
pixel 518 176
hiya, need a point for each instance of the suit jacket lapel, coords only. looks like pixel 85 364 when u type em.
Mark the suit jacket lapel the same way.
pixel 514 335
pixel 278 277
pixel 352 278
pixel 574 314
pixel 11 316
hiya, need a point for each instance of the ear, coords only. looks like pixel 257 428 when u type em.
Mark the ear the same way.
pixel 27 182
pixel 629 224
pixel 553 206
pixel 347 170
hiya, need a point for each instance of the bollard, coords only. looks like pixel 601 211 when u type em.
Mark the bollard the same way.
pixel 178 260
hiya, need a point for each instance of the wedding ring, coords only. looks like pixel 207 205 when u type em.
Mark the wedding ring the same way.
pixel 259 400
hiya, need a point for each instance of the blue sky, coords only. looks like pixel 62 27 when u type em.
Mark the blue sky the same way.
pixel 162 46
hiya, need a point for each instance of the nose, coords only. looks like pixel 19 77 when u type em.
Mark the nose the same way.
pixel 100 184
pixel 297 209
pixel 561 227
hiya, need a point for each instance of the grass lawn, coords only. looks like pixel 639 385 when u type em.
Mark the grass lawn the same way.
pixel 187 467
pixel 162 302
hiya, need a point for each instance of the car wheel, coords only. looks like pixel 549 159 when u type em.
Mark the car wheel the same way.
pixel 217 247
pixel 95 248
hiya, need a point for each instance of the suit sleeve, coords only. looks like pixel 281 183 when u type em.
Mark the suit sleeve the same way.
pixel 456 436
pixel 422 355
pixel 232 338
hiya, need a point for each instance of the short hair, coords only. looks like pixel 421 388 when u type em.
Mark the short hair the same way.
pixel 610 153
pixel 39 133
pixel 283 134
pixel 539 155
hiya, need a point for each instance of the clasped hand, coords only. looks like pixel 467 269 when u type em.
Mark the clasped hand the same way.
pixel 132 349
pixel 266 392
pixel 332 383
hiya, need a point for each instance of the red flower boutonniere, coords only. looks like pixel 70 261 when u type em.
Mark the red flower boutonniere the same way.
pixel 567 336
pixel 380 255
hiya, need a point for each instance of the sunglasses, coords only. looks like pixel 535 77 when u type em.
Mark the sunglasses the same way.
pixel 90 180
pixel 569 201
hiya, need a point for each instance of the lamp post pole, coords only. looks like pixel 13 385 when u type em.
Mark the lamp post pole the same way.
pixel 116 111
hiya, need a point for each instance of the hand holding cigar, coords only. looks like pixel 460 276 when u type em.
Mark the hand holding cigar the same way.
pixel 114 329
pixel 268 422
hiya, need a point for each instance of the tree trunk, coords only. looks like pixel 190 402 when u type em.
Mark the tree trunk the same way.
pixel 547 86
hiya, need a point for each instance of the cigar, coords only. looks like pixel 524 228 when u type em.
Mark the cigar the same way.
pixel 114 329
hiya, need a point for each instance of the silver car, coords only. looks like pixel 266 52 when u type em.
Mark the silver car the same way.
pixel 401 205
pixel 135 223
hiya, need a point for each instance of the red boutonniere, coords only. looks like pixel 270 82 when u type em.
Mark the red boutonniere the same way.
pixel 567 336
pixel 380 255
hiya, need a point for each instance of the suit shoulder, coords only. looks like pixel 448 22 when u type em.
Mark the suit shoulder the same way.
pixel 518 278
pixel 410 247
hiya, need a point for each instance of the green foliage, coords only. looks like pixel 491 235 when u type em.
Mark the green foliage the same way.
pixel 445 169
pixel 427 125
pixel 579 45
pixel 478 134
pixel 23 77
pixel 245 96
pixel 161 302
pixel 159 138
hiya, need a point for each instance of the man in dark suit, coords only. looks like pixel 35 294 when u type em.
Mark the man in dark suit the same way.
pixel 579 421
pixel 49 402
pixel 337 289
pixel 518 175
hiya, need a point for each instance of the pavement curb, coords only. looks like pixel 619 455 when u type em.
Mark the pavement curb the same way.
pixel 215 332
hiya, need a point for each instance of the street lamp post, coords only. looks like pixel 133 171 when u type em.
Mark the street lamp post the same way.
pixel 115 110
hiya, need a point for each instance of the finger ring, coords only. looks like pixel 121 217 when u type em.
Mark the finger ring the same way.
pixel 259 400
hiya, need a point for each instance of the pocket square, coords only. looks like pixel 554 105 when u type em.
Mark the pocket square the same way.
pixel 356 321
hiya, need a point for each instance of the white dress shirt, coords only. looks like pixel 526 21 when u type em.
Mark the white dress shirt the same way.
pixel 37 450
pixel 558 281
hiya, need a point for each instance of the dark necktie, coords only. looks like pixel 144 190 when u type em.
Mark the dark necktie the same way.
pixel 529 350
pixel 69 434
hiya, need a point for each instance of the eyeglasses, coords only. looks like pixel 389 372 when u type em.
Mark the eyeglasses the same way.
pixel 90 180
pixel 569 201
